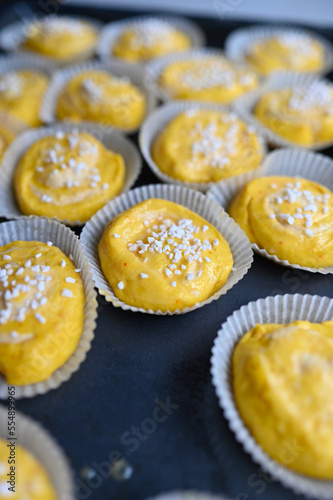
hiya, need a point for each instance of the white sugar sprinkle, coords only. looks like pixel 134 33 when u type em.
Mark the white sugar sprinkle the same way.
pixel 7 257
pixel 63 263
pixel 70 280
pixel 190 276
pixel 308 232
pixel 120 285
pixel 143 275
pixel 66 293
pixel 40 318
pixel 173 283
pixel 168 272
pixel 271 216
pixel 115 235
pixel 49 243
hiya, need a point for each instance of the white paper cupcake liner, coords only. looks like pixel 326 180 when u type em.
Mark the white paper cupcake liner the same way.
pixel 285 162
pixel 35 439
pixel 155 68
pixel 245 105
pixel 188 495
pixel 157 122
pixel 119 69
pixel 12 36
pixel 279 309
pixel 238 42
pixel 109 137
pixel 195 201
pixel 42 229
pixel 111 32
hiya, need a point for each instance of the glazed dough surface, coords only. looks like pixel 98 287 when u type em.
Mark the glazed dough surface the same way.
pixel 287 51
pixel 302 115
pixel 206 146
pixel 42 311
pixel 68 176
pixel 289 217
pixel 282 378
pixel 152 38
pixel 159 255
pixel 21 93
pixel 32 481
pixel 212 79
pixel 60 38
pixel 6 137
pixel 101 97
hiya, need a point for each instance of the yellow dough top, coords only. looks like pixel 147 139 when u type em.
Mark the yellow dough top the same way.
pixel 212 79
pixel 148 39
pixel 60 38
pixel 162 256
pixel 6 137
pixel 282 379
pixel 69 176
pixel 101 97
pixel 41 311
pixel 302 115
pixel 286 51
pixel 21 93
pixel 289 217
pixel 206 146
pixel 32 482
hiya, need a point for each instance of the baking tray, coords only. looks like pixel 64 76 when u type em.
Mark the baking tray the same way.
pixel 107 413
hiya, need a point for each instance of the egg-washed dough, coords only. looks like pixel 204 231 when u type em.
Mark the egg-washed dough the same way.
pixel 42 311
pixel 69 176
pixel 212 79
pixel 286 51
pixel 151 38
pixel 206 146
pixel 21 93
pixel 282 379
pixel 101 97
pixel 60 38
pixel 32 482
pixel 302 115
pixel 6 137
pixel 289 217
pixel 162 256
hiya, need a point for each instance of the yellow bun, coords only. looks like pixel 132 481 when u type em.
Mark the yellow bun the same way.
pixel 282 377
pixel 206 146
pixel 31 479
pixel 212 79
pixel 162 256
pixel 21 93
pixel 42 311
pixel 69 176
pixel 101 97
pixel 60 38
pixel 286 51
pixel 151 38
pixel 289 217
pixel 302 115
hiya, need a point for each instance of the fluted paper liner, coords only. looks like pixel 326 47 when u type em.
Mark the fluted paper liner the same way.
pixel 112 31
pixel 240 40
pixel 133 72
pixel 157 122
pixel 35 439
pixel 12 36
pixel 280 309
pixel 246 103
pixel 109 137
pixel 43 229
pixel 188 495
pixel 195 201
pixel 155 68
pixel 291 162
